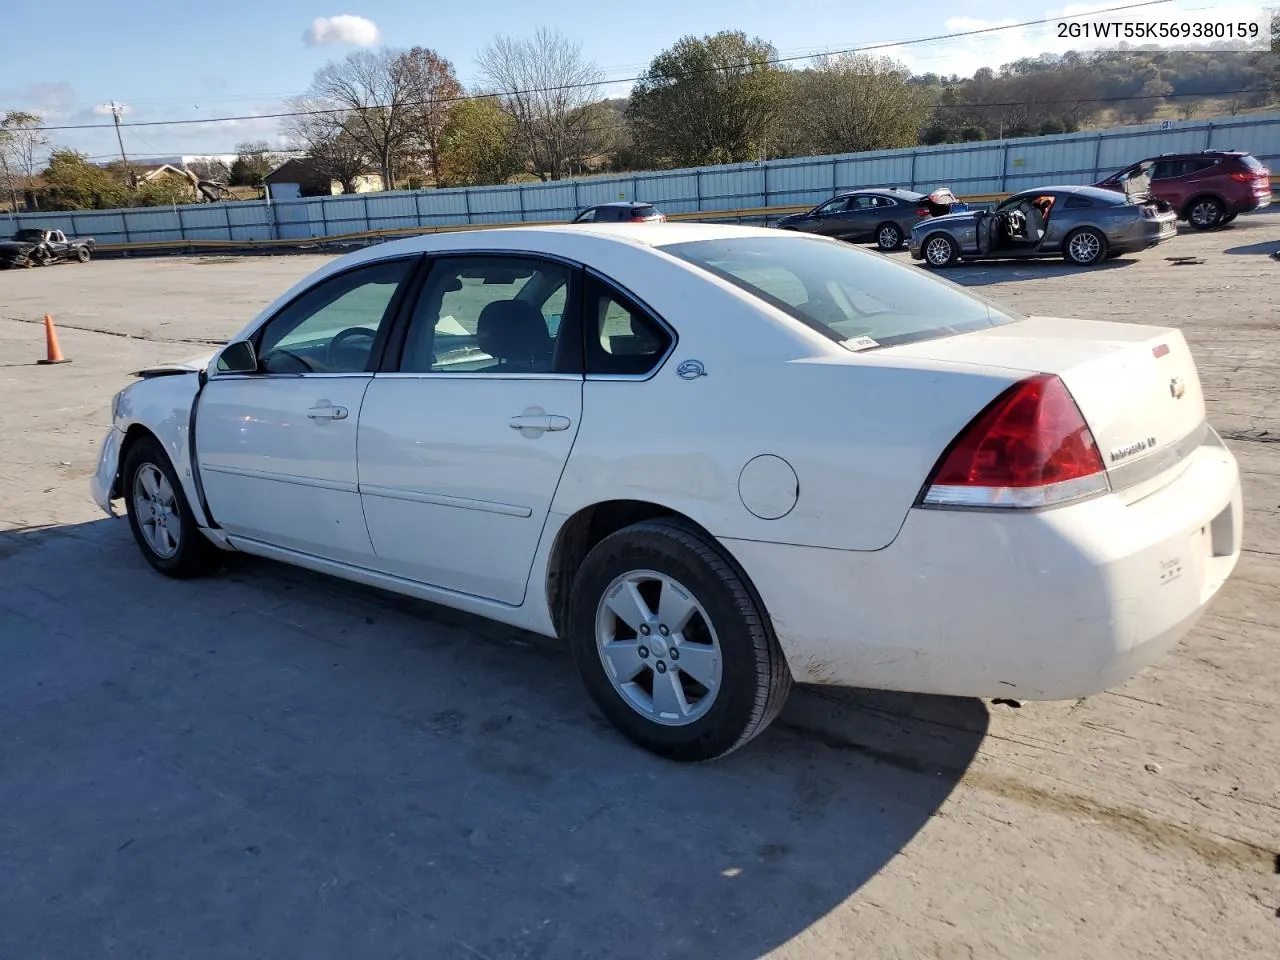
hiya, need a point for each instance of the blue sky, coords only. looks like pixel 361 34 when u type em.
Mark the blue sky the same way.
pixel 164 60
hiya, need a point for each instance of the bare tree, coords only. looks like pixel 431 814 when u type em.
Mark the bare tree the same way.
pixel 855 102
pixel 434 91
pixel 21 143
pixel 211 169
pixel 373 93
pixel 551 92
pixel 325 139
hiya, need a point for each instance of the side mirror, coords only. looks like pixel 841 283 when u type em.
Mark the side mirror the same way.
pixel 238 357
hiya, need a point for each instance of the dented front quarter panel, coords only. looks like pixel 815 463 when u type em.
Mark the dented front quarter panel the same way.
pixel 161 405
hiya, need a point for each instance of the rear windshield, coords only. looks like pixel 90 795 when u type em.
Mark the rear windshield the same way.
pixel 644 212
pixel 860 299
pixel 1252 163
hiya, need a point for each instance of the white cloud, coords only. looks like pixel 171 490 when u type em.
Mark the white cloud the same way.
pixel 344 28
pixel 105 109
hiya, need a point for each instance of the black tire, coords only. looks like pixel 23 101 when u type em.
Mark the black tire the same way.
pixel 83 254
pixel 1229 217
pixel 1086 238
pixel 195 554
pixel 936 263
pixel 1205 213
pixel 755 680
pixel 889 236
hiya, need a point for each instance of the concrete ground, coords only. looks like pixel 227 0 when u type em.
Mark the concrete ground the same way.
pixel 270 763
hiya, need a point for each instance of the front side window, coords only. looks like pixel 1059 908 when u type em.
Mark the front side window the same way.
pixel 839 205
pixel 587 216
pixel 333 326
pixel 842 292
pixel 493 314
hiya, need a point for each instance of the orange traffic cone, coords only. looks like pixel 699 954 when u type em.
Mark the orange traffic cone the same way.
pixel 51 343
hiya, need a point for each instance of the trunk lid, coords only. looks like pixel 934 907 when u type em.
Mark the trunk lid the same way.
pixel 1136 385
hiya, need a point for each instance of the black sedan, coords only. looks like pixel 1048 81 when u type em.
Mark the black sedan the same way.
pixel 623 211
pixel 885 215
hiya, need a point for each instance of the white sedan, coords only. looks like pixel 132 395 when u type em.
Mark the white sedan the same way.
pixel 716 460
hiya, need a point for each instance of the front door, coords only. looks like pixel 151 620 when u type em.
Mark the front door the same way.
pixel 277 448
pixel 463 440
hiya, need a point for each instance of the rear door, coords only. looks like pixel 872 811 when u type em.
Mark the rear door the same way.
pixel 464 435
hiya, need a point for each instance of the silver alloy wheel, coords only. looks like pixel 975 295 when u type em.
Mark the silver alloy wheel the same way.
pixel 890 238
pixel 156 508
pixel 1085 247
pixel 938 251
pixel 1205 213
pixel 659 648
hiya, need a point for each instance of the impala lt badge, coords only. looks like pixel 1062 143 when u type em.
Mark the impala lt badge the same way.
pixel 1177 387
pixel 1123 453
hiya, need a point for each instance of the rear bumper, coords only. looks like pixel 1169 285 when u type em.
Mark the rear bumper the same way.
pixel 1044 605
pixel 1257 201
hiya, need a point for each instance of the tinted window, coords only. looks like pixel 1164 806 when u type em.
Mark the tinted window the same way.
pixel 587 216
pixel 621 337
pixel 492 314
pixel 834 206
pixel 332 327
pixel 1195 166
pixel 644 212
pixel 1168 169
pixel 842 292
pixel 1075 203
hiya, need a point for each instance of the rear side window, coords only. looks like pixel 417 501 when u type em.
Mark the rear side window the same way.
pixel 842 292
pixel 1076 203
pixel 622 338
pixel 1196 166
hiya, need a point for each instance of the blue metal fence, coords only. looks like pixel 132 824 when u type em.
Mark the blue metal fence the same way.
pixel 972 169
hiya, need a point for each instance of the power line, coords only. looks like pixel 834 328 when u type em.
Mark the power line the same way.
pixel 889 44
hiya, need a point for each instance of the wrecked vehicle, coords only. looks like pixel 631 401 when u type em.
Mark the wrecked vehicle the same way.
pixel 39 248
pixel 1086 225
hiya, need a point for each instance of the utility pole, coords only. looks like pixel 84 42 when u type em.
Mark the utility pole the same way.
pixel 116 110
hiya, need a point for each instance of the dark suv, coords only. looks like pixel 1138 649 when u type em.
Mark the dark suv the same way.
pixel 1206 189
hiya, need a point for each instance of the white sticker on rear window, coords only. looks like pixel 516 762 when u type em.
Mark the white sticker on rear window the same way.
pixel 861 343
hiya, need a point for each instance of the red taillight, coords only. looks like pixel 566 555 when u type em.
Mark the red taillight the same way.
pixel 1249 176
pixel 1030 447
pixel 922 211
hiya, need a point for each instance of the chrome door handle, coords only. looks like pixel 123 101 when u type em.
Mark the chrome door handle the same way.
pixel 327 411
pixel 539 422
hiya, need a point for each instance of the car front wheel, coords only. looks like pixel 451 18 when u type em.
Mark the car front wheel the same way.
pixel 672 644
pixel 160 517
pixel 83 254
pixel 1086 247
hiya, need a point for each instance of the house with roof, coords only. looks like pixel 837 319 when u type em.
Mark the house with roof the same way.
pixel 303 177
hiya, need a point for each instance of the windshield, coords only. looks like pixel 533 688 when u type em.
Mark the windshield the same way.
pixel 859 299
pixel 35 235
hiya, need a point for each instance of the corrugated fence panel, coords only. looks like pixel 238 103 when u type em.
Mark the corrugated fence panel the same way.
pixel 968 169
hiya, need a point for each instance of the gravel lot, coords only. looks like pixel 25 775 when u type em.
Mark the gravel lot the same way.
pixel 274 764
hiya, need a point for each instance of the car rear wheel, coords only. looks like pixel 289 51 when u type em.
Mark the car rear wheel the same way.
pixel 940 251
pixel 672 644
pixel 1229 217
pixel 161 518
pixel 1085 247
pixel 888 236
pixel 82 254
pixel 1206 213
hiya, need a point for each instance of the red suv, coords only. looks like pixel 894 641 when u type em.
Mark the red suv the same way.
pixel 1206 189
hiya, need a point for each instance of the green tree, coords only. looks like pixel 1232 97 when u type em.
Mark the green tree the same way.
pixel 478 145
pixel 72 183
pixel 252 163
pixel 714 99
